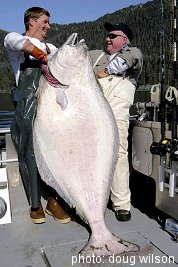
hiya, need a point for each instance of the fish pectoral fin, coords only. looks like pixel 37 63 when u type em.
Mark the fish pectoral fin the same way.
pixel 61 98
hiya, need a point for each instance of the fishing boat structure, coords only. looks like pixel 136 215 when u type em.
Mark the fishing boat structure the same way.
pixel 155 139
pixel 154 187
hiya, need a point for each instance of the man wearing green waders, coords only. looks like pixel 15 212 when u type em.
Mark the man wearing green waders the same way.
pixel 27 54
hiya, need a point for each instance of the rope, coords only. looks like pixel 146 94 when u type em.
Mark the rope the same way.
pixel 170 93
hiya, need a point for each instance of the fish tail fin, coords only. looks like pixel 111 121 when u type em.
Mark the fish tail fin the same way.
pixel 106 245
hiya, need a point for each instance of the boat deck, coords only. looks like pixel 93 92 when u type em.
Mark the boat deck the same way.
pixel 24 244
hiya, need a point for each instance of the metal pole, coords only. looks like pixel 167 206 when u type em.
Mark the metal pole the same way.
pixel 174 35
pixel 175 44
pixel 174 66
pixel 162 95
pixel 174 152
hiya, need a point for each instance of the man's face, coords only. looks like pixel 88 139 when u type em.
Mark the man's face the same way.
pixel 114 41
pixel 40 27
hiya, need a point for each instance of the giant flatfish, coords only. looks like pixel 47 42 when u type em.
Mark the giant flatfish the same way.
pixel 76 142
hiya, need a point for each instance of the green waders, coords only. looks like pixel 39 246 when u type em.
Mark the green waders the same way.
pixel 22 132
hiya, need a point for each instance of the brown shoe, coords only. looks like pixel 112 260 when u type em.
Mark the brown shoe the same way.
pixel 37 216
pixel 55 210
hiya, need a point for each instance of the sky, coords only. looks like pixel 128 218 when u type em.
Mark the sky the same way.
pixel 61 11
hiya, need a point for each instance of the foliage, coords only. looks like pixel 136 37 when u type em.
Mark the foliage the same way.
pixel 145 21
pixel 6 74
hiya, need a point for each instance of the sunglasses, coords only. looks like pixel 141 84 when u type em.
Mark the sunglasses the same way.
pixel 113 36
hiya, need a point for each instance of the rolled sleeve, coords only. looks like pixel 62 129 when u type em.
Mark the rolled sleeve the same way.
pixel 117 65
pixel 14 41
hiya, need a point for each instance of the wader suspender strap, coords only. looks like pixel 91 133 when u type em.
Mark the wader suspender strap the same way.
pixel 48 49
pixel 100 56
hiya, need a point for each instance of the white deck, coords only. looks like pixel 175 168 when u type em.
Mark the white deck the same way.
pixel 24 244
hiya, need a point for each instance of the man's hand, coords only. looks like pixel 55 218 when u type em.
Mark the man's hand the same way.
pixel 102 74
pixel 39 54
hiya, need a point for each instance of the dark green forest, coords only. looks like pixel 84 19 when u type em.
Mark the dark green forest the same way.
pixel 146 23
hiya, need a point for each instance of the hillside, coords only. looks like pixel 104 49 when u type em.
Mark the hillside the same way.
pixel 144 19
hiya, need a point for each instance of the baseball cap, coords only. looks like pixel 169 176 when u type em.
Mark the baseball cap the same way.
pixel 119 27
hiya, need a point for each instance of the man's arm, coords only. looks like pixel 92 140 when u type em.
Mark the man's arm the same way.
pixel 117 65
pixel 17 42
pixel 33 50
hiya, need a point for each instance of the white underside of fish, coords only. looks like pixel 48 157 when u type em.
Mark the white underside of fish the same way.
pixel 75 148
pixel 76 144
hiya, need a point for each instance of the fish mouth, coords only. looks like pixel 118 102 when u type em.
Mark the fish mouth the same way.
pixel 73 40
pixel 60 62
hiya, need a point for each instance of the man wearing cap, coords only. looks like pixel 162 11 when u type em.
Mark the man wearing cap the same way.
pixel 118 70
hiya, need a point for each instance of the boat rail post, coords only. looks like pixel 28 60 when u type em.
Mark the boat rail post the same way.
pixel 160 148
pixel 172 179
pixel 174 141
pixel 162 168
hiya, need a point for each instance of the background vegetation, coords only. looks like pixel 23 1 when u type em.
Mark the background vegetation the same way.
pixel 145 21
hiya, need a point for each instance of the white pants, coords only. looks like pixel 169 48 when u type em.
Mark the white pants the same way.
pixel 119 93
